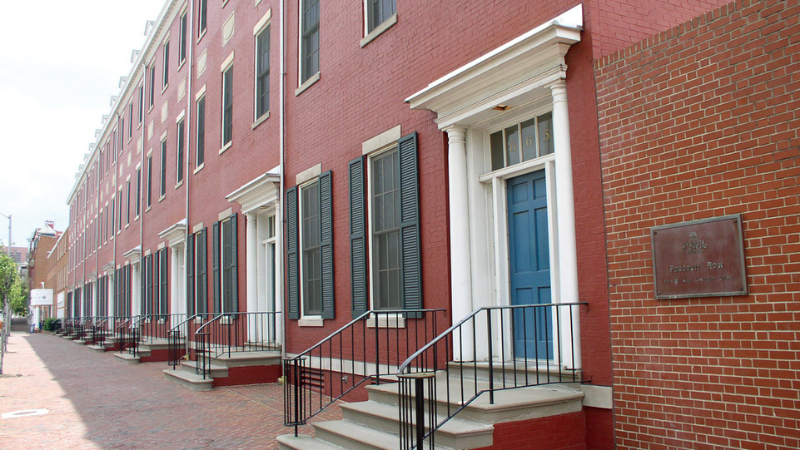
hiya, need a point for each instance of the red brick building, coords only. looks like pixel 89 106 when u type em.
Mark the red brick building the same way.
pixel 371 175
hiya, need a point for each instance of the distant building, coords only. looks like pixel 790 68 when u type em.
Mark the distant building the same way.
pixel 42 242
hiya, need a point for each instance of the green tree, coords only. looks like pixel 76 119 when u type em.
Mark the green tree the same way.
pixel 8 278
pixel 20 297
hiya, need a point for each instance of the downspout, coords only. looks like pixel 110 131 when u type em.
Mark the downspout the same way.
pixel 116 215
pixel 188 145
pixel 140 190
pixel 281 165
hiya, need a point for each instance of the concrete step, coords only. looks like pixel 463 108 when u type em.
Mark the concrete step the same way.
pixel 303 442
pixel 127 358
pixel 101 348
pixel 353 436
pixel 509 405
pixel 188 379
pixel 515 373
pixel 244 359
pixel 216 371
pixel 455 433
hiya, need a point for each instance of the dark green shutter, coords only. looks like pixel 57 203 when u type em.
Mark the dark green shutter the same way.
pixel 292 266
pixel 202 263
pixel 358 243
pixel 164 280
pixel 143 286
pixel 409 223
pixel 190 275
pixel 215 262
pixel 234 258
pixel 150 284
pixel 326 244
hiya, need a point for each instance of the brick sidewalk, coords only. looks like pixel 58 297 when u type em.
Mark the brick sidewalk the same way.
pixel 96 401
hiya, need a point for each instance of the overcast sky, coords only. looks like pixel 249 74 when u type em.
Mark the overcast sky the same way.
pixel 60 64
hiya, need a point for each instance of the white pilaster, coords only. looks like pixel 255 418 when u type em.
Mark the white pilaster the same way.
pixel 567 254
pixel 460 263
pixel 136 289
pixel 174 279
pixel 252 262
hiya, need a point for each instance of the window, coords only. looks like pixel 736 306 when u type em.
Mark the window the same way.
pixel 128 202
pixel 385 236
pixel 392 229
pixel 149 180
pixel 197 281
pixel 161 282
pixel 227 106
pixel 152 86
pixel 378 11
pixel 147 285
pixel 522 142
pixel 182 41
pixel 262 72
pixel 130 120
pixel 202 17
pixel 163 179
pixel 141 103
pixel 310 249
pixel 201 131
pixel 310 246
pixel 165 68
pixel 100 223
pixel 309 43
pixel 226 295
pixel 138 191
pixel 119 209
pixel 121 134
pixel 179 138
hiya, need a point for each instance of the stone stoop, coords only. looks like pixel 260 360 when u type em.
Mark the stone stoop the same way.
pixel 374 424
pixel 236 369
pixel 155 351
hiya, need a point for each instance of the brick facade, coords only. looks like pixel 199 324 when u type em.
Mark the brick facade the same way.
pixel 697 122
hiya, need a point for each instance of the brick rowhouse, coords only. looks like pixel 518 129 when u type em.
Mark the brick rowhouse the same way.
pixel 697 122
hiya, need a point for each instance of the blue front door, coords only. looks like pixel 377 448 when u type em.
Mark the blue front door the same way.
pixel 529 266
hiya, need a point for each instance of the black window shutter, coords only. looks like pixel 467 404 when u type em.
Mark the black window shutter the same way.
pixel 409 224
pixel 292 269
pixel 202 270
pixel 234 258
pixel 155 292
pixel 143 285
pixel 149 273
pixel 164 282
pixel 326 244
pixel 215 262
pixel 190 276
pixel 358 243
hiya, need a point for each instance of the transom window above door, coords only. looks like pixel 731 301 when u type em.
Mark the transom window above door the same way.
pixel 521 142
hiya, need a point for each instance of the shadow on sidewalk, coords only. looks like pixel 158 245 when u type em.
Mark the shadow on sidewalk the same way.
pixel 124 405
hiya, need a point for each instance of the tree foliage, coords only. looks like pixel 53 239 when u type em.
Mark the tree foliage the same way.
pixel 12 287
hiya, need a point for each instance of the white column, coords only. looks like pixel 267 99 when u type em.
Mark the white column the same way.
pixel 136 289
pixel 111 277
pixel 252 262
pixel 567 255
pixel 460 264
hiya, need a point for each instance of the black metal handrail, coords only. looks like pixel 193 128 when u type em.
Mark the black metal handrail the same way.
pixel 121 326
pixel 524 347
pixel 99 329
pixel 235 333
pixel 178 342
pixel 149 329
pixel 368 348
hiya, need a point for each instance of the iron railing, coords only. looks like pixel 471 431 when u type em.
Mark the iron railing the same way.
pixel 369 348
pixel 493 349
pixel 67 329
pixel 235 333
pixel 121 327
pixel 99 331
pixel 178 338
pixel 149 329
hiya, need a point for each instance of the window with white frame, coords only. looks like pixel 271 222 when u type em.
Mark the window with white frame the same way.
pixel 225 260
pixel 522 141
pixel 309 39
pixel 202 17
pixel 378 11
pixel 227 105
pixel 311 252
pixel 180 152
pixel 165 66
pixel 262 71
pixel 182 40
pixel 163 178
pixel 201 132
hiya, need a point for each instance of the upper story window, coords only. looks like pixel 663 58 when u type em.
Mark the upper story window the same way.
pixel 148 194
pixel 310 256
pixel 182 40
pixel 227 106
pixel 165 68
pixel 201 132
pixel 385 200
pixel 379 11
pixel 152 86
pixel 180 153
pixel 262 72
pixel 202 17
pixel 163 178
pixel 309 39
pixel 522 142
pixel 141 103
pixel 226 296
pixel 130 120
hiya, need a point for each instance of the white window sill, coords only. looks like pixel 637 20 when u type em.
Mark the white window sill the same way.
pixel 225 147
pixel 388 23
pixel 160 199
pixel 310 321
pixel 314 78
pixel 179 184
pixel 260 120
pixel 199 168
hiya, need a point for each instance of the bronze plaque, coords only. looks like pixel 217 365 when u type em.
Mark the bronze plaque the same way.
pixel 701 258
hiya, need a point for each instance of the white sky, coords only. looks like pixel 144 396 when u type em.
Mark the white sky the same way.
pixel 60 64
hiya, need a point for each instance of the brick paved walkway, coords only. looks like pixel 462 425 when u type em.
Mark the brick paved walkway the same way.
pixel 96 401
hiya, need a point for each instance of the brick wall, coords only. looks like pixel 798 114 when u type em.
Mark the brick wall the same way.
pixel 698 122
